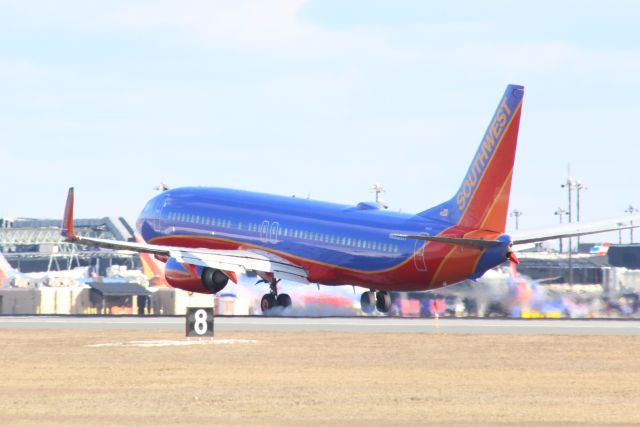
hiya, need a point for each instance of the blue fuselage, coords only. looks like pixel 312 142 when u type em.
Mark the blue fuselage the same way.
pixel 337 243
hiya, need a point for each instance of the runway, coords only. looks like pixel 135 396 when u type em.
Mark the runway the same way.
pixel 337 324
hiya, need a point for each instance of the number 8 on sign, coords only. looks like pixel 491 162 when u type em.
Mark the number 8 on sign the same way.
pixel 199 322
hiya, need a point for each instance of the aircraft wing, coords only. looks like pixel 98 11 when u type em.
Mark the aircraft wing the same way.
pixel 237 261
pixel 241 261
pixel 573 230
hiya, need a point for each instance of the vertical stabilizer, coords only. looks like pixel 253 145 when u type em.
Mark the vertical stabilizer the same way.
pixel 482 200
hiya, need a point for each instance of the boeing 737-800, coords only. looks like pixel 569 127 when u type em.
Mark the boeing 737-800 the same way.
pixel 207 236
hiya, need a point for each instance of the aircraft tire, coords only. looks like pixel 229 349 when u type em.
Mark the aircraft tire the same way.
pixel 383 301
pixel 367 302
pixel 267 303
pixel 284 300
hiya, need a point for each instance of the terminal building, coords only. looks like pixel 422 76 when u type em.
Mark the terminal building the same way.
pixel 56 277
pixel 36 245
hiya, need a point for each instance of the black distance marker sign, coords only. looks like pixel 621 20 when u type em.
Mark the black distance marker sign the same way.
pixel 199 321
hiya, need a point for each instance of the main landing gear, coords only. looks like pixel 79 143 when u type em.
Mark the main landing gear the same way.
pixel 273 299
pixel 380 300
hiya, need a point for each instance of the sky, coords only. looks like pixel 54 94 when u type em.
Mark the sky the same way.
pixel 320 99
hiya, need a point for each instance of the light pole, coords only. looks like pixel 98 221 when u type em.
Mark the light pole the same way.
pixel 560 212
pixel 578 185
pixel 620 224
pixel 378 189
pixel 631 210
pixel 516 214
pixel 570 184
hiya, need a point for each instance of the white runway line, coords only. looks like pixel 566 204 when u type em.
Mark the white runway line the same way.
pixel 173 343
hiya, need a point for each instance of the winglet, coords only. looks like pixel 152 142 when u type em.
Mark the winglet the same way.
pixel 67 221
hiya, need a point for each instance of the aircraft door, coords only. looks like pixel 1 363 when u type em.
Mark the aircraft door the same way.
pixel 264 231
pixel 418 257
pixel 157 213
pixel 273 232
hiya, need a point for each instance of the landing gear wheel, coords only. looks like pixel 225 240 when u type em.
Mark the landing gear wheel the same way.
pixel 284 300
pixel 367 302
pixel 267 303
pixel 383 301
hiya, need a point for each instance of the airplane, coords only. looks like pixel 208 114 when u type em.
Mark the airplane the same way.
pixel 207 236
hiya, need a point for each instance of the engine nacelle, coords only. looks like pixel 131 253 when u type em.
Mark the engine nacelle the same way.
pixel 214 280
pixel 193 278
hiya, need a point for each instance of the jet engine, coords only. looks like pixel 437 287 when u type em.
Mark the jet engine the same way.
pixel 214 280
pixel 193 278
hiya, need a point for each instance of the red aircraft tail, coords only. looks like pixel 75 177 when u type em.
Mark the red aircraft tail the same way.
pixel 482 200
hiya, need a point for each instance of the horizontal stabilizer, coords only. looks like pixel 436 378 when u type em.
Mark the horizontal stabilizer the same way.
pixel 461 241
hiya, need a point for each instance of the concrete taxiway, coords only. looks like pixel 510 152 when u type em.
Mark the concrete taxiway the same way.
pixel 337 324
